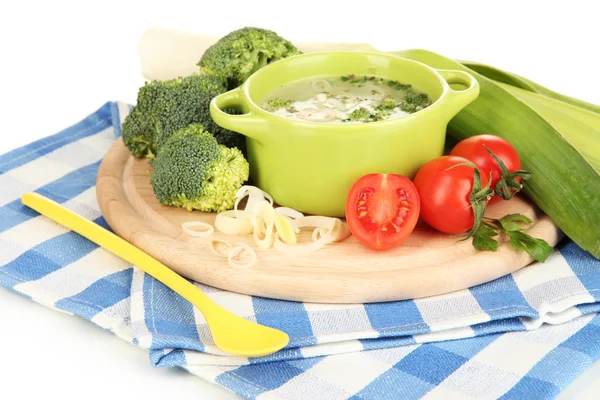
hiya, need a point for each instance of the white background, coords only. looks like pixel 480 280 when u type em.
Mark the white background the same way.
pixel 60 61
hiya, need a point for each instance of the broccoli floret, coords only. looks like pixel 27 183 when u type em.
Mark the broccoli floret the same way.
pixel 279 103
pixel 359 113
pixel 184 101
pixel 414 102
pixel 387 104
pixel 193 171
pixel 138 135
pixel 362 114
pixel 163 107
pixel 138 130
pixel 225 137
pixel 242 52
pixel 420 99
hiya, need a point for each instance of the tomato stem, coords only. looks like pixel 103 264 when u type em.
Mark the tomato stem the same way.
pixel 508 185
pixel 478 198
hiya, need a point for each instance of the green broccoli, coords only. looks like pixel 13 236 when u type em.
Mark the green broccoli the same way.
pixel 164 107
pixel 193 171
pixel 362 114
pixel 225 137
pixel 138 127
pixel 184 101
pixel 414 102
pixel 279 103
pixel 242 52
pixel 359 113
pixel 137 134
pixel 387 104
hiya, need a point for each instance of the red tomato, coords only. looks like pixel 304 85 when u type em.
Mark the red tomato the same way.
pixel 382 210
pixel 472 149
pixel 445 194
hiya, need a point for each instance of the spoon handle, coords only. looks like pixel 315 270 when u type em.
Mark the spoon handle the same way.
pixel 120 247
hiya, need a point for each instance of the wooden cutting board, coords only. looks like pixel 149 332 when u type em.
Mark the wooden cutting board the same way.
pixel 428 263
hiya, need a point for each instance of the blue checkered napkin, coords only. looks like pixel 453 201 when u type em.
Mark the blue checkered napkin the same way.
pixel 554 292
pixel 522 365
pixel 513 330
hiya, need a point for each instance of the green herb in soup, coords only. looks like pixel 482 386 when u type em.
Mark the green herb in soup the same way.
pixel 278 103
pixel 346 99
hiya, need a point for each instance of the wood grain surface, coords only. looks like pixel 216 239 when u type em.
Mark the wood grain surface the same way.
pixel 428 263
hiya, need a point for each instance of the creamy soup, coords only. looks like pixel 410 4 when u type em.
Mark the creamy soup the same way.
pixel 345 99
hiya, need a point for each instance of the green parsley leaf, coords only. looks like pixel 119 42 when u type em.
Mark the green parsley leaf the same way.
pixel 483 238
pixel 402 86
pixel 539 249
pixel 510 222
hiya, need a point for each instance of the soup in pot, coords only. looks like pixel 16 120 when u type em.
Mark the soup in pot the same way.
pixel 346 99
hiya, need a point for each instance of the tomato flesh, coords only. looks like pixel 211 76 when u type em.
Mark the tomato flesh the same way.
pixel 473 149
pixel 445 194
pixel 382 210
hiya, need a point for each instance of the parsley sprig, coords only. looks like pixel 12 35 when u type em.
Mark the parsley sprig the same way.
pixel 486 229
pixel 510 225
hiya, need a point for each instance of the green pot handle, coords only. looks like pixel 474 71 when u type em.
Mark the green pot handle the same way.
pixel 246 124
pixel 459 99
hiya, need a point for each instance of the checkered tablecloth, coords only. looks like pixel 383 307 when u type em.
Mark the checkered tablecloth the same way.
pixel 526 335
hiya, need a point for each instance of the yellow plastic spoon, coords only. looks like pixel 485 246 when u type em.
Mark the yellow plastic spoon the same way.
pixel 230 332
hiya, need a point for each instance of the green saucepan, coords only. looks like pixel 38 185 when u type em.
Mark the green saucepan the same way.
pixel 310 166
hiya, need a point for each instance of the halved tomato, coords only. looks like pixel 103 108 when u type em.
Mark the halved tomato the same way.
pixel 382 210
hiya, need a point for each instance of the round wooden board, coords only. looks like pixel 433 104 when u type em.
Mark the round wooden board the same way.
pixel 428 263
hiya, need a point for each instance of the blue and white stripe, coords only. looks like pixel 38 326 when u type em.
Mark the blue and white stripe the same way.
pixel 528 334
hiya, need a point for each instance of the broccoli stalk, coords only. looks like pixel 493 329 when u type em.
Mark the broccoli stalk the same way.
pixel 194 172
pixel 242 52
pixel 164 107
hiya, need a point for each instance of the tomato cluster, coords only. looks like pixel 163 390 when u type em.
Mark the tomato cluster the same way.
pixel 449 193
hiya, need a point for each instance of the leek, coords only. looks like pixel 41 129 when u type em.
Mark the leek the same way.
pixel 579 126
pixel 565 184
pixel 526 84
